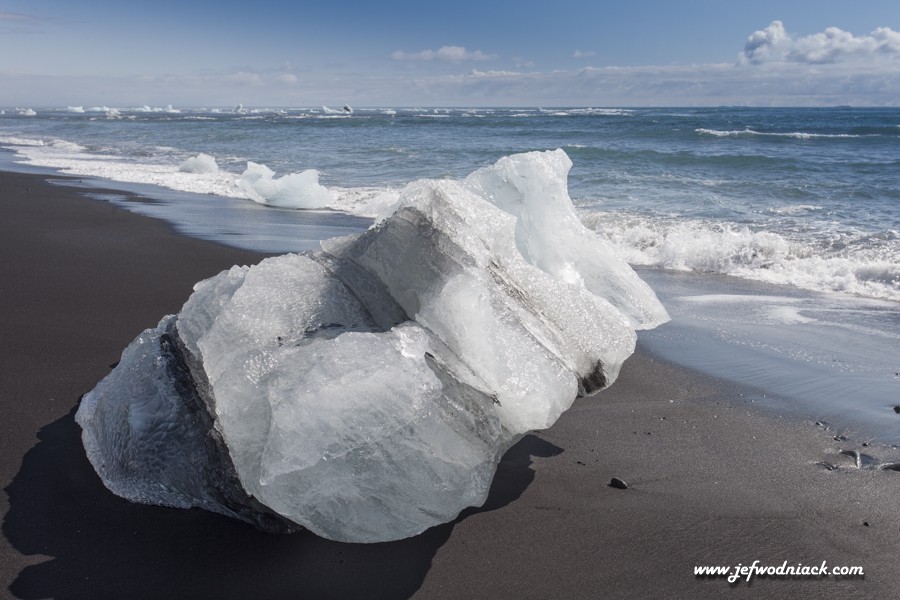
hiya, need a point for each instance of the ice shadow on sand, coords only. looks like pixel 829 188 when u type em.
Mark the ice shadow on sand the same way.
pixel 100 546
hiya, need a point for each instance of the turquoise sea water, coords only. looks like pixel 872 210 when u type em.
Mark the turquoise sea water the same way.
pixel 772 235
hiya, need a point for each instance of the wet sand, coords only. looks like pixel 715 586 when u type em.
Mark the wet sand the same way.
pixel 712 480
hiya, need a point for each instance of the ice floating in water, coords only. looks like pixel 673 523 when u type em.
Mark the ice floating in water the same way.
pixel 202 163
pixel 156 109
pixel 367 391
pixel 297 190
pixel 345 110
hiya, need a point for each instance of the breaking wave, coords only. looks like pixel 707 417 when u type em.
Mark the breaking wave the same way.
pixel 200 174
pixel 799 135
pixel 860 264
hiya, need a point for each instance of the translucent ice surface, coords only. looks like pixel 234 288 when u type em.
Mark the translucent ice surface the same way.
pixel 367 391
pixel 202 163
pixel 295 190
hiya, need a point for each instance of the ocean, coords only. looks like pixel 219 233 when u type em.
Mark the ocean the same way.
pixel 772 235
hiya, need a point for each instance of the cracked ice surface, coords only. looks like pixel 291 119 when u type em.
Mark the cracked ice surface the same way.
pixel 368 391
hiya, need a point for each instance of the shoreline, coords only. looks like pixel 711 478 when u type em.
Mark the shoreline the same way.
pixel 713 480
pixel 812 355
pixel 824 355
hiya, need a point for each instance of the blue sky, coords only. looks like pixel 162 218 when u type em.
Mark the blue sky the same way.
pixel 483 53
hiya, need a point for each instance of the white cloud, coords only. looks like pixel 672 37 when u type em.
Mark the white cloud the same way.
pixel 681 85
pixel 522 63
pixel 779 84
pixel 244 78
pixel 286 79
pixel 477 73
pixel 832 46
pixel 445 53
pixel 762 45
pixel 583 54
pixel 776 69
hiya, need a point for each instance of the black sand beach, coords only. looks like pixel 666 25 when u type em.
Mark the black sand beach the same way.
pixel 712 481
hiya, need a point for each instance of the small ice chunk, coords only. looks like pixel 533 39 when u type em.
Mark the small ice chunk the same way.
pixel 202 163
pixel 296 190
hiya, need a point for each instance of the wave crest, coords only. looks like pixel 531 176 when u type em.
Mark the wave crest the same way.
pixel 799 135
pixel 863 265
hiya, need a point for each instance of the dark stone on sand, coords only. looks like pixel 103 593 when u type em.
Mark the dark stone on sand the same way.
pixel 855 455
pixel 897 409
pixel 617 483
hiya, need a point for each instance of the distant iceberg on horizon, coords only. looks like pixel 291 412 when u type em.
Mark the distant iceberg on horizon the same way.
pixel 367 391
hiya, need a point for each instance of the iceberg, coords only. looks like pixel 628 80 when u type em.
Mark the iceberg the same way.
pixel 368 390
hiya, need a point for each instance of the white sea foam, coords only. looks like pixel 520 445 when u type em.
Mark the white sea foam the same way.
pixel 788 315
pixel 800 135
pixel 72 159
pixel 571 112
pixel 26 112
pixel 780 309
pixel 794 209
pixel 736 299
pixel 11 140
pixel 602 111
pixel 75 109
pixel 201 174
pixel 862 265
